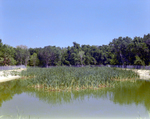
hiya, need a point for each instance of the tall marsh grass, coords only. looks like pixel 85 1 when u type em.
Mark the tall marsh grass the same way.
pixel 67 78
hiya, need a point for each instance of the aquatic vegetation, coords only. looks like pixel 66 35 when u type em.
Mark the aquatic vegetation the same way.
pixel 67 78
pixel 1 116
pixel 18 116
pixel 124 93
pixel 145 117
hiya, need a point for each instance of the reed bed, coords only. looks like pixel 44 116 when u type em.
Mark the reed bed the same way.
pixel 68 78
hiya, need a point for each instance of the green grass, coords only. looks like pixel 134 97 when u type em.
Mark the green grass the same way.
pixel 67 78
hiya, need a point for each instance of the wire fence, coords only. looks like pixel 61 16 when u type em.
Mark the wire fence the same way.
pixel 131 66
pixel 12 67
pixel 117 66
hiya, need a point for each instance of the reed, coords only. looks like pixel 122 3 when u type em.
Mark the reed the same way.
pixel 145 117
pixel 1 116
pixel 68 78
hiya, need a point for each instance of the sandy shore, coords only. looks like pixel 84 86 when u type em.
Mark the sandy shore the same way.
pixel 144 74
pixel 7 75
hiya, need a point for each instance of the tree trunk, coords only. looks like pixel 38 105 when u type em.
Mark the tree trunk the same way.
pixel 81 62
pixel 121 58
pixel 46 65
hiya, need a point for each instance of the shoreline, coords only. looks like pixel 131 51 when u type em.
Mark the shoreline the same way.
pixel 144 74
pixel 7 76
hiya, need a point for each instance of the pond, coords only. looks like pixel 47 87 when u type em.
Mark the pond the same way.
pixel 125 100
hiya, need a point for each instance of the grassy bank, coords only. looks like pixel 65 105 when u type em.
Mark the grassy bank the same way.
pixel 67 78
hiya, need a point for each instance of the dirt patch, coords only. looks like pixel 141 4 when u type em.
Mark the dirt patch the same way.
pixel 144 74
pixel 8 75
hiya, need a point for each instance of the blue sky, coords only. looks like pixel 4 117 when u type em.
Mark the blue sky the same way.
pixel 39 23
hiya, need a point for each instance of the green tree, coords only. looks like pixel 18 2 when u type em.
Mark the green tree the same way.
pixel 22 55
pixel 139 61
pixel 81 55
pixel 146 40
pixel 105 54
pixel 49 55
pixel 7 55
pixel 138 48
pixel 34 60
pixel 65 57
pixel 119 47
pixel 113 60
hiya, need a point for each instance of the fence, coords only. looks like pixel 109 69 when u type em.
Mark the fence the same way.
pixel 118 66
pixel 11 67
pixel 130 66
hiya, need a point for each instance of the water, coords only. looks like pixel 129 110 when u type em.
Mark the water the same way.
pixel 126 100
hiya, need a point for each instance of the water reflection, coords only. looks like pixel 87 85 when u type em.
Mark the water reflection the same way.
pixel 129 92
pixel 8 90
pixel 124 93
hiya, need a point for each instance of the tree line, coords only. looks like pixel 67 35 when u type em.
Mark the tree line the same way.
pixel 120 51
